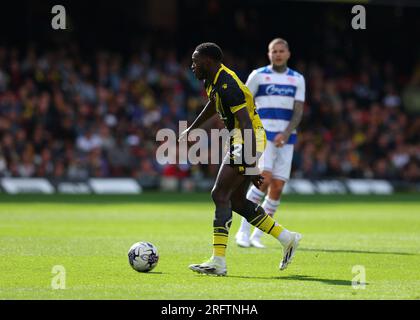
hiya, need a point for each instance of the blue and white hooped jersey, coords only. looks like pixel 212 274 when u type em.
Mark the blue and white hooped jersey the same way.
pixel 275 94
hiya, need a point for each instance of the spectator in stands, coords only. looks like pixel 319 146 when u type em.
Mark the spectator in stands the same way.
pixel 65 116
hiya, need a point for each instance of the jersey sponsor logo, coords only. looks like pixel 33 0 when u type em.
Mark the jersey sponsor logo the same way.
pixel 276 90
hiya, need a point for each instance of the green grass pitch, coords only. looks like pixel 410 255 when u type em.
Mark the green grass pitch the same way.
pixel 90 235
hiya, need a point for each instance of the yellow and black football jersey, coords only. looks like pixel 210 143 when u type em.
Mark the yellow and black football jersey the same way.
pixel 231 95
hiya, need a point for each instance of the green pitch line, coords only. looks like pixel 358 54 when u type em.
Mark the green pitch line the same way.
pixel 90 235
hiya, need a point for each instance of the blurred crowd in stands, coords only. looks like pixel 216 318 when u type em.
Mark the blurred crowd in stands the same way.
pixel 65 115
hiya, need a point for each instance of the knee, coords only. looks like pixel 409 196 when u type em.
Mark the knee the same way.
pixel 220 197
pixel 268 178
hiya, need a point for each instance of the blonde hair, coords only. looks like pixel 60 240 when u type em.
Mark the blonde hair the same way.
pixel 277 40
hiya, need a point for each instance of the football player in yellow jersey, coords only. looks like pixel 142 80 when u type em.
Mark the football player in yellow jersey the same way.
pixel 234 103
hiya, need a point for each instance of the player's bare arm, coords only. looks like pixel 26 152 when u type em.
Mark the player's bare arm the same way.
pixel 282 138
pixel 245 124
pixel 206 114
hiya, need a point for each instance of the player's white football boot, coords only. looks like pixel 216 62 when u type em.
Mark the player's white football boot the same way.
pixel 256 242
pixel 242 240
pixel 290 249
pixel 212 266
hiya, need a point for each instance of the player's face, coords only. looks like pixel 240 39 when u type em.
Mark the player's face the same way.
pixel 198 66
pixel 279 54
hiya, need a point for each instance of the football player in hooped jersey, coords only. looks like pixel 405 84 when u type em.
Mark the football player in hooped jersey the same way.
pixel 279 94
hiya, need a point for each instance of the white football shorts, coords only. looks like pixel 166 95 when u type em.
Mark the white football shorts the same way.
pixel 277 160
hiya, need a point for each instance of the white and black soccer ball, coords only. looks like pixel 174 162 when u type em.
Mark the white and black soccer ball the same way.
pixel 143 256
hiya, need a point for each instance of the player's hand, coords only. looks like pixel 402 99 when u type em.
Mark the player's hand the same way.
pixel 257 180
pixel 281 139
pixel 184 135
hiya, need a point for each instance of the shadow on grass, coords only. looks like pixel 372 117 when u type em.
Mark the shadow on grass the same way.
pixel 357 251
pixel 152 272
pixel 335 282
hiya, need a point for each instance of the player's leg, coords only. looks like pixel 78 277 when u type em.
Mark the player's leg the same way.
pixel 280 175
pixel 270 204
pixel 227 181
pixel 272 200
pixel 256 216
pixel 256 195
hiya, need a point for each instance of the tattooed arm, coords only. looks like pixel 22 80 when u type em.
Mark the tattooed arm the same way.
pixel 281 138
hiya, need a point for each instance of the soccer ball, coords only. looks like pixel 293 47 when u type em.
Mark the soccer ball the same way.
pixel 143 256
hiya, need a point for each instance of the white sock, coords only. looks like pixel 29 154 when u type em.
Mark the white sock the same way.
pixel 270 207
pixel 255 196
pixel 284 237
pixel 245 227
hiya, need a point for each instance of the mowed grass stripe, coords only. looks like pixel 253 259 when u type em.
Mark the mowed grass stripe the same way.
pixel 90 238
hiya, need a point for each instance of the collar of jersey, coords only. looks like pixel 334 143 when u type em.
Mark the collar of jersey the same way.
pixel 218 72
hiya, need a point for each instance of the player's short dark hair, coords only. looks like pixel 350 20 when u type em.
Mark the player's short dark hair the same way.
pixel 210 50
